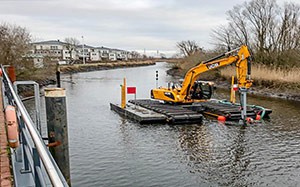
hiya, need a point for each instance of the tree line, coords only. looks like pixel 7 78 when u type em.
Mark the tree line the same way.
pixel 15 45
pixel 271 32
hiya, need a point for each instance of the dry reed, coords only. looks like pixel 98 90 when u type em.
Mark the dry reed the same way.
pixel 264 73
pixel 276 79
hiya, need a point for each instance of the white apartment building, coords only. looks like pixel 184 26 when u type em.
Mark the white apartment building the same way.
pixel 54 49
pixel 103 52
pixel 62 51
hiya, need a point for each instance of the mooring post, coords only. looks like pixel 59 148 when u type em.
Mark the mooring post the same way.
pixel 58 76
pixel 123 94
pixel 56 110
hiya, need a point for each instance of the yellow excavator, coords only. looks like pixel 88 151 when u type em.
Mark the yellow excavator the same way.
pixel 191 90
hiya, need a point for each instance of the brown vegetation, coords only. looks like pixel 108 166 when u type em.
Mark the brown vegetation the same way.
pixel 102 66
pixel 47 75
pixel 14 45
pixel 180 68
pixel 188 48
pixel 266 78
pixel 271 31
pixel 43 76
pixel 278 79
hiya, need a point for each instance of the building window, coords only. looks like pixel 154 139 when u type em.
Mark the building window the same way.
pixel 53 47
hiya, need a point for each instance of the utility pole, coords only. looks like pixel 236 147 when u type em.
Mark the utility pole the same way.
pixel 83 56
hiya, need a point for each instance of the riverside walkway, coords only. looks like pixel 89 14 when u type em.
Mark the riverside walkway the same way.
pixel 30 163
pixel 6 177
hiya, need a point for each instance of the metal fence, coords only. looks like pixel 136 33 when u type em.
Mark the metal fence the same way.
pixel 33 165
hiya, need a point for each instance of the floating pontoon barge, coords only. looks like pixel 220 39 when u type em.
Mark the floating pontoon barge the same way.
pixel 153 111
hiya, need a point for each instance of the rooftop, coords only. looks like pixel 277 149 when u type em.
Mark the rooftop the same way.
pixel 50 42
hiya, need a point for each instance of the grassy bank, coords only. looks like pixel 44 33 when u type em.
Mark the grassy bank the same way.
pixel 280 80
pixel 268 81
pixel 102 66
pixel 43 76
pixel 47 75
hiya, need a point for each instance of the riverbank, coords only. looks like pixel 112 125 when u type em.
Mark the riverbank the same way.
pixel 268 82
pixel 75 68
pixel 271 82
pixel 47 75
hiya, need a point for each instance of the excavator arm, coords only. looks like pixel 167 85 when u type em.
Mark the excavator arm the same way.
pixel 240 57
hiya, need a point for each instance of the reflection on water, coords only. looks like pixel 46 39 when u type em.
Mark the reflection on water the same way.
pixel 109 150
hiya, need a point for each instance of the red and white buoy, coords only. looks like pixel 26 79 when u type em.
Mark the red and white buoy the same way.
pixel 12 126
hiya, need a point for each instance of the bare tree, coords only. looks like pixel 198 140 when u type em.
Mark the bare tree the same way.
pixel 71 44
pixel 289 30
pixel 188 47
pixel 238 27
pixel 261 15
pixel 269 30
pixel 14 44
pixel 225 37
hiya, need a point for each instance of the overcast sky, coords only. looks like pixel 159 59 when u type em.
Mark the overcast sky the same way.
pixel 126 24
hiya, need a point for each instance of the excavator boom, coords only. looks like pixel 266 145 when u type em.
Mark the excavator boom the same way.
pixel 240 57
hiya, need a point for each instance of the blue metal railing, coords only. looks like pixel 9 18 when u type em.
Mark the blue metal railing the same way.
pixel 33 165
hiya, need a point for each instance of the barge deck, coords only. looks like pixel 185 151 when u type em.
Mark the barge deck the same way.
pixel 153 111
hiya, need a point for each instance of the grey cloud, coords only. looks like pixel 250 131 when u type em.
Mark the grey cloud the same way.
pixel 134 24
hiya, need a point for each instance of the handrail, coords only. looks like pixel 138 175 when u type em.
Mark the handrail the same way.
pixel 52 169
pixel 37 100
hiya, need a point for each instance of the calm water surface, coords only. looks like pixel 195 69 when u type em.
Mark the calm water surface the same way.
pixel 108 150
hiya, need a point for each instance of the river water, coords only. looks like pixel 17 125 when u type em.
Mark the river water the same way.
pixel 108 150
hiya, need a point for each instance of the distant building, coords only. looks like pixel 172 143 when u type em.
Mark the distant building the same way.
pixel 87 53
pixel 103 52
pixel 54 49
pixel 57 51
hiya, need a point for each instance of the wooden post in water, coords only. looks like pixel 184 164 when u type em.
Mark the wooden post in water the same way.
pixel 57 126
pixel 58 75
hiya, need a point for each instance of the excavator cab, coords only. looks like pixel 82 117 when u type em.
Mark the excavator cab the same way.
pixel 202 90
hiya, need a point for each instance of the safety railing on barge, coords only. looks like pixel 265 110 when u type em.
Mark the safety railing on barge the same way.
pixel 32 163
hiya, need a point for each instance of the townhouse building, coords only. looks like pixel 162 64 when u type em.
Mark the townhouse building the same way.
pixel 55 50
pixel 103 52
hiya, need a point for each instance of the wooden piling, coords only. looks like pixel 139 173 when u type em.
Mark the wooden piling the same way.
pixel 58 128
pixel 58 76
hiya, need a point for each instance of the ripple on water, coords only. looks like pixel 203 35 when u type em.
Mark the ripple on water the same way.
pixel 108 150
